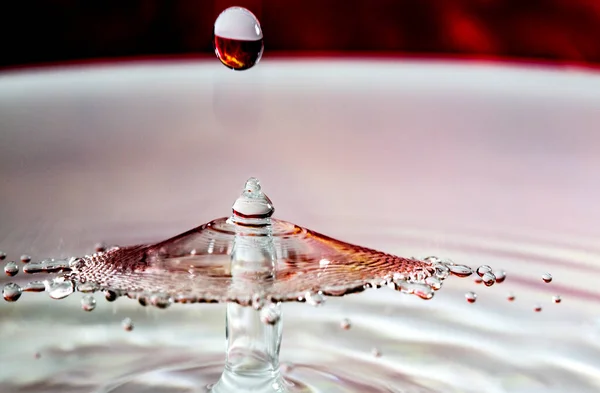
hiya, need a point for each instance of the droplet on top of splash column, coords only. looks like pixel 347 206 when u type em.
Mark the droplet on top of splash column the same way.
pixel 238 39
pixel 197 264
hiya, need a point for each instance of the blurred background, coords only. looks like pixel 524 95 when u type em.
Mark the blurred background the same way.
pixel 41 31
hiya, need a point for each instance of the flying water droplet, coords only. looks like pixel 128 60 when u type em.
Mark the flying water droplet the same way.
pixel 35 286
pixel 471 297
pixel 556 299
pixel 2 255
pixel 547 277
pixel 270 314
pixel 161 300
pixel 376 352
pixel 477 280
pixel 460 270
pixel 11 269
pixel 25 258
pixel 11 292
pixel 127 324
pixel 345 324
pixel 110 296
pixel 537 308
pixel 37 355
pixel 100 247
pixel 500 276
pixel 481 270
pixel 88 303
pixel 238 39
pixel 510 297
pixel 488 279
pixel 314 299
pixel 59 288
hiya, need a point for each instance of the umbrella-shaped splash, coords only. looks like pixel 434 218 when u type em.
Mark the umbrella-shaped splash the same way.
pixel 251 261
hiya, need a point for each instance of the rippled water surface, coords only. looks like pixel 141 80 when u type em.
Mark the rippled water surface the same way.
pixel 482 164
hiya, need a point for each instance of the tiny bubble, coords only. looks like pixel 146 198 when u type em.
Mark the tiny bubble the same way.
pixel 556 299
pixel 471 297
pixel 270 315
pixel 127 324
pixel 88 303
pixel 547 277
pixel 345 324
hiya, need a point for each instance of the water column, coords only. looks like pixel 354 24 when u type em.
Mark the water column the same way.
pixel 252 358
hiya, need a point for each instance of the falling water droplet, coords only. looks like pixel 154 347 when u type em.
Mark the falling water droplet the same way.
pixel 270 314
pixel 59 288
pixel 471 297
pixel 238 39
pixel 481 270
pixel 2 255
pixel 500 276
pixel 161 300
pixel 556 299
pixel 100 247
pixel 547 277
pixel 376 352
pixel 110 296
pixel 11 269
pixel 11 292
pixel 35 286
pixel 477 280
pixel 460 270
pixel 488 279
pixel 511 297
pixel 127 324
pixel 345 324
pixel 537 308
pixel 88 303
pixel 314 299
pixel 25 258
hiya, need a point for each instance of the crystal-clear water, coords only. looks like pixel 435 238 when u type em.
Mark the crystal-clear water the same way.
pixel 484 165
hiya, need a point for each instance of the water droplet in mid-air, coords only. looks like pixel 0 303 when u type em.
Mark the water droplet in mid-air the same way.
pixel 510 297
pixel 547 277
pixel 556 299
pixel 2 255
pixel 88 303
pixel 37 355
pixel 59 288
pixel 477 280
pixel 488 279
pixel 314 299
pixel 100 247
pixel 25 258
pixel 270 315
pixel 11 292
pixel 11 269
pixel 376 352
pixel 500 276
pixel 460 270
pixel 481 270
pixel 238 39
pixel 345 324
pixel 537 308
pixel 471 297
pixel 127 324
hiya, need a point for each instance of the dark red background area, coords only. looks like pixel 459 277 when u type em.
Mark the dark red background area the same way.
pixel 41 31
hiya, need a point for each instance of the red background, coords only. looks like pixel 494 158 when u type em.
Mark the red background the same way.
pixel 58 30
